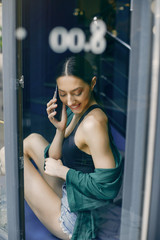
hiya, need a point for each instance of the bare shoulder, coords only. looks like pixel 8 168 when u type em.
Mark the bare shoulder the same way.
pixel 96 139
pixel 96 119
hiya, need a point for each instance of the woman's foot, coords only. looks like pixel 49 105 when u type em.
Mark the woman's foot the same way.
pixel 2 162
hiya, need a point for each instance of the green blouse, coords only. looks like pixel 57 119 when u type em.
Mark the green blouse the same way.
pixel 87 192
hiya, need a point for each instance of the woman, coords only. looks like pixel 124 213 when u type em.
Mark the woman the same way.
pixel 82 170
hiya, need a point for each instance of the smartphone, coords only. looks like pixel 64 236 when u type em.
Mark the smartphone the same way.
pixel 59 103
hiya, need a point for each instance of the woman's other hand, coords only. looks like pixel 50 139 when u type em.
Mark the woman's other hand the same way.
pixel 55 168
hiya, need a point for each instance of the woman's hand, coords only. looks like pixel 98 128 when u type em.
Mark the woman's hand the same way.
pixel 51 111
pixel 55 168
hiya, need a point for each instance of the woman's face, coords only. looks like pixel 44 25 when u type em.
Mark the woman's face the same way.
pixel 74 93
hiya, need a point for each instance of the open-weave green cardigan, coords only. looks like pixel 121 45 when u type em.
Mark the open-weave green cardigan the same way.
pixel 87 192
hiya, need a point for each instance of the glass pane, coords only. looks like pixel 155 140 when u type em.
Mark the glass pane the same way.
pixel 43 50
pixel 3 205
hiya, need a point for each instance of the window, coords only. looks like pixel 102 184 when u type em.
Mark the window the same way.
pixel 121 47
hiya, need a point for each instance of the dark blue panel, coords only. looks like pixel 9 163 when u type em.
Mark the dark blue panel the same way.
pixel 113 83
pixel 35 230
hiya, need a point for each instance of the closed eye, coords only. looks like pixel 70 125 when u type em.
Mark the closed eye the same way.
pixel 62 95
pixel 75 94
pixel 78 94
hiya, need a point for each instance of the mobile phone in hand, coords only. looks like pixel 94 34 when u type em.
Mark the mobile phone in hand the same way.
pixel 59 105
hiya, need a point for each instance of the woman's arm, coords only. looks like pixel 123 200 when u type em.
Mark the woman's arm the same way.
pixel 95 132
pixel 56 145
pixel 55 150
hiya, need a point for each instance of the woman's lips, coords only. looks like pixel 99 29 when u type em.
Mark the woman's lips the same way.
pixel 74 107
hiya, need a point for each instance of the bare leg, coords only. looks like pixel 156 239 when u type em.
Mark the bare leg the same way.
pixel 38 187
pixel 34 146
pixel 42 199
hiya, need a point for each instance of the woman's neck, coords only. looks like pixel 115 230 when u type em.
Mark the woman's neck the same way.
pixel 91 102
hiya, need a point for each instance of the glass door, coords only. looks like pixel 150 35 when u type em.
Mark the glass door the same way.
pixel 55 30
pixel 3 198
pixel 12 102
pixel 116 37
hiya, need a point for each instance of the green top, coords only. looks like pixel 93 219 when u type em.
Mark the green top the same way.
pixel 87 192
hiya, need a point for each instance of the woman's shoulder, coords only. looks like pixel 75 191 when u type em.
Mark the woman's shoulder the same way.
pixel 95 119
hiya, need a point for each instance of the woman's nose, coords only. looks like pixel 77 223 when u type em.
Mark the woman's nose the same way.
pixel 70 100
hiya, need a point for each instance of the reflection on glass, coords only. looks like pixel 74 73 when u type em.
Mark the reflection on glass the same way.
pixel 46 45
pixel 3 203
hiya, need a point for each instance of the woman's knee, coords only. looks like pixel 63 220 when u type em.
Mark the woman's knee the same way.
pixel 30 141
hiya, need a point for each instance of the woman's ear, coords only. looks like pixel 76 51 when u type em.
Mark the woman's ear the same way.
pixel 93 82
